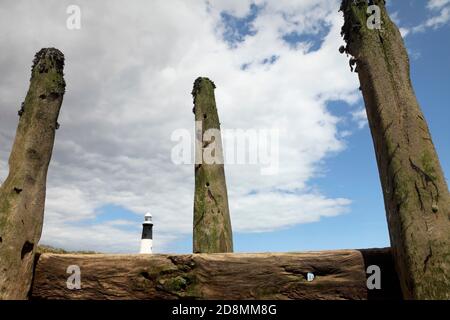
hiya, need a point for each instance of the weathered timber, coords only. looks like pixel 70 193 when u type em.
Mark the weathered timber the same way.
pixel 415 192
pixel 212 226
pixel 338 275
pixel 22 195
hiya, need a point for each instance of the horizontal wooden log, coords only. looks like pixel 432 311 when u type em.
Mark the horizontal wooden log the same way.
pixel 338 275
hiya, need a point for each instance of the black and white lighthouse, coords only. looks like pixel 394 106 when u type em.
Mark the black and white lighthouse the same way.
pixel 147 235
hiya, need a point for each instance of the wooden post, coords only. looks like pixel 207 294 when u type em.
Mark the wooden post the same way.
pixel 339 275
pixel 415 192
pixel 212 225
pixel 22 195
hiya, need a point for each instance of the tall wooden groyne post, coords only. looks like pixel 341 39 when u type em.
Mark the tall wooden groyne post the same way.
pixel 22 195
pixel 212 225
pixel 415 192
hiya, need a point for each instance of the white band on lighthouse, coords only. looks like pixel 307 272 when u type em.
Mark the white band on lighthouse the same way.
pixel 147 235
pixel 146 246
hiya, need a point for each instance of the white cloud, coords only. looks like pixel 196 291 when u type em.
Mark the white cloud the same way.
pixel 360 117
pixel 404 32
pixel 440 17
pixel 275 211
pixel 129 74
pixel 395 18
pixel 437 4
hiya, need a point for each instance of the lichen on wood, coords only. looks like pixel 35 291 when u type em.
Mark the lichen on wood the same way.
pixel 22 195
pixel 415 192
pixel 212 226
pixel 339 275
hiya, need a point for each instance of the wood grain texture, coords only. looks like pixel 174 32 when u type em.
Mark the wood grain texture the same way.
pixel 415 191
pixel 212 232
pixel 22 194
pixel 338 275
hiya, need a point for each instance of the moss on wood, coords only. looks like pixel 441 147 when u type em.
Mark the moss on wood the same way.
pixel 22 195
pixel 415 191
pixel 212 225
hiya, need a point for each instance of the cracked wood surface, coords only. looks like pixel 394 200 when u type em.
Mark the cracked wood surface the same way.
pixel 338 275
pixel 22 195
pixel 212 225
pixel 415 191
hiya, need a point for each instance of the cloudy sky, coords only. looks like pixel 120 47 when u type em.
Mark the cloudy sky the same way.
pixel 129 73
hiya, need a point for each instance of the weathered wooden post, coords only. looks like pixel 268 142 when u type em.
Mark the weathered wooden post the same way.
pixel 212 225
pixel 415 191
pixel 22 195
pixel 341 275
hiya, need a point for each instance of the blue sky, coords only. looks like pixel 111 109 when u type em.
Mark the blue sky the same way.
pixel 353 173
pixel 275 63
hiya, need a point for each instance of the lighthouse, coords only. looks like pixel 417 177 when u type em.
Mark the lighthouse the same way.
pixel 147 235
